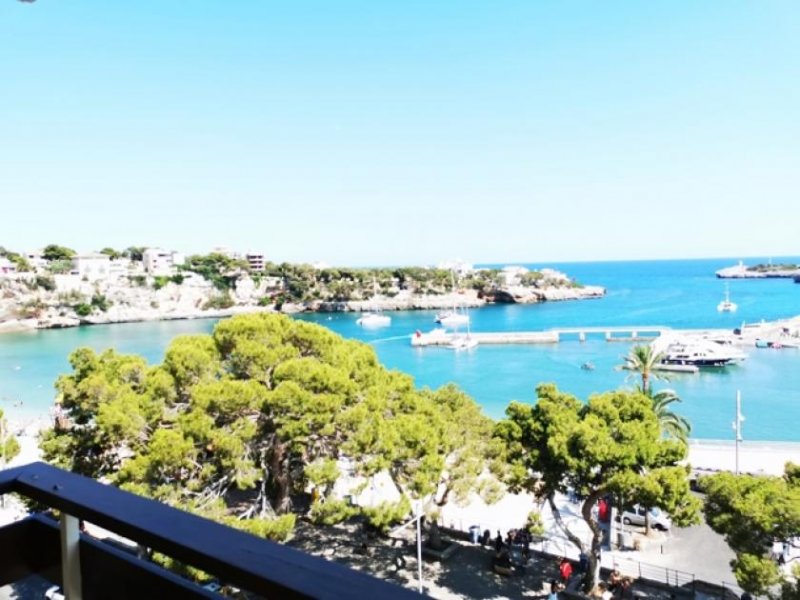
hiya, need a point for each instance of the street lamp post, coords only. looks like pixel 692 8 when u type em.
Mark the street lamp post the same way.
pixel 416 520
pixel 737 426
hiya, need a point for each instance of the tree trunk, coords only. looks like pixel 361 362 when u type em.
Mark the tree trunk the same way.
pixel 647 521
pixel 592 575
pixel 560 522
pixel 279 479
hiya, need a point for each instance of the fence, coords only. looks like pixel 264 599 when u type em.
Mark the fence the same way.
pixel 674 578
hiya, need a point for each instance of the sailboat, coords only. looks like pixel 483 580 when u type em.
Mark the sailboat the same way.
pixel 726 305
pixel 463 342
pixel 374 318
pixel 453 318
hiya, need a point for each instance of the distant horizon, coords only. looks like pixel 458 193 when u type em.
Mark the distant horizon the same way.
pixel 434 263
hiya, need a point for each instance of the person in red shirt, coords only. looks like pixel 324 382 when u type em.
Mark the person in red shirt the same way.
pixel 565 568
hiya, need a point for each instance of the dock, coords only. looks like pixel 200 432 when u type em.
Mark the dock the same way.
pixel 439 337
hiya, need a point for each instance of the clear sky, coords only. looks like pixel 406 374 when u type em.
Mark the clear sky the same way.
pixel 403 131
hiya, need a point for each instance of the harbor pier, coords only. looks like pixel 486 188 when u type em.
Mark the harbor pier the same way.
pixel 637 333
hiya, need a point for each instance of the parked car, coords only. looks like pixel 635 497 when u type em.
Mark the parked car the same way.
pixel 636 516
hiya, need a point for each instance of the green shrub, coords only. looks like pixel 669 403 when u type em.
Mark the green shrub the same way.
pixel 138 280
pixel 159 281
pixel 48 284
pixel 386 514
pixel 535 526
pixel 177 279
pixel 82 309
pixel 331 511
pixel 100 302
pixel 32 309
pixel 218 302
pixel 278 529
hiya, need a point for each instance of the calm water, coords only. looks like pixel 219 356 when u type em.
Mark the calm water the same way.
pixel 680 294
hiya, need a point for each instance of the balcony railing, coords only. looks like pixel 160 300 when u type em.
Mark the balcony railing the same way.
pixel 89 568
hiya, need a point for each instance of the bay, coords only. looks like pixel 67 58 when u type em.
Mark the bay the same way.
pixel 678 294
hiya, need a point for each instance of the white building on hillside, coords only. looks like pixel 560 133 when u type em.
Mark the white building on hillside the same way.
pixel 91 267
pixel 161 262
pixel 512 274
pixel 459 267
pixel 7 267
pixel 255 260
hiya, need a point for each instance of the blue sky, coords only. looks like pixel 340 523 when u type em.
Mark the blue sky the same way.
pixel 403 132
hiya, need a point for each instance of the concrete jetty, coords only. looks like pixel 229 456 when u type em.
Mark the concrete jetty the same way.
pixel 439 337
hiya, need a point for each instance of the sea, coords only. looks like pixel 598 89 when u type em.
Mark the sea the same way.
pixel 680 294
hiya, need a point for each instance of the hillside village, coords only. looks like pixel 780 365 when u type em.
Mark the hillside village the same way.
pixel 59 287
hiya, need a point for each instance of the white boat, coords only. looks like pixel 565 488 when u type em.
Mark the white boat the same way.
pixel 726 305
pixel 373 319
pixel 697 352
pixel 463 342
pixel 452 319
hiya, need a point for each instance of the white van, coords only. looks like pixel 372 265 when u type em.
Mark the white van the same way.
pixel 658 518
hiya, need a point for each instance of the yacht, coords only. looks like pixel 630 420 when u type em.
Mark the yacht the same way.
pixel 452 318
pixel 374 319
pixel 699 353
pixel 726 305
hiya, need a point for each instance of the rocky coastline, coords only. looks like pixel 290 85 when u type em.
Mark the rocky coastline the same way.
pixel 742 271
pixel 26 309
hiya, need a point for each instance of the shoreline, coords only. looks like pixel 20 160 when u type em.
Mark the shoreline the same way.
pixel 408 303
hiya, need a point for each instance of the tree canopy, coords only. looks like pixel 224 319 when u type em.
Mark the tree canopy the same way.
pixel 9 445
pixel 753 513
pixel 240 422
pixel 54 252
pixel 611 445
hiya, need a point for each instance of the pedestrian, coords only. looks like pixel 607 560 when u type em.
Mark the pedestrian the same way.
pixel 565 568
pixel 554 587
pixel 498 542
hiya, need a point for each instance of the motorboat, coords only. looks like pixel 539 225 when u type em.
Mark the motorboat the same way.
pixel 452 319
pixel 374 319
pixel 726 305
pixel 698 353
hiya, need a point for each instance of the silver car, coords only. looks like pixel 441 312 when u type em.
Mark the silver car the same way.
pixel 636 516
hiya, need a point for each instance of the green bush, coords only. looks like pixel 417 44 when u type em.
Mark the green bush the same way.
pixel 159 281
pixel 100 302
pixel 48 284
pixel 82 309
pixel 535 526
pixel 138 280
pixel 218 302
pixel 331 512
pixel 177 279
pixel 32 309
pixel 278 529
pixel 386 514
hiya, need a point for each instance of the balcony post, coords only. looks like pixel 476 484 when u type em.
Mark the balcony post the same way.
pixel 70 557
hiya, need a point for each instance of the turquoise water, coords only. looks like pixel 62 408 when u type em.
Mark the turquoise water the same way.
pixel 680 294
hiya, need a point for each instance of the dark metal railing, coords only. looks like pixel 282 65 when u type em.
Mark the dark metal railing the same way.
pixel 240 559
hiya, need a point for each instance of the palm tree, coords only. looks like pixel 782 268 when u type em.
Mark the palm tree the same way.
pixel 672 424
pixel 643 360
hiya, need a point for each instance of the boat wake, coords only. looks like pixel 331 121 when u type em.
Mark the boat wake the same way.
pixel 389 339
